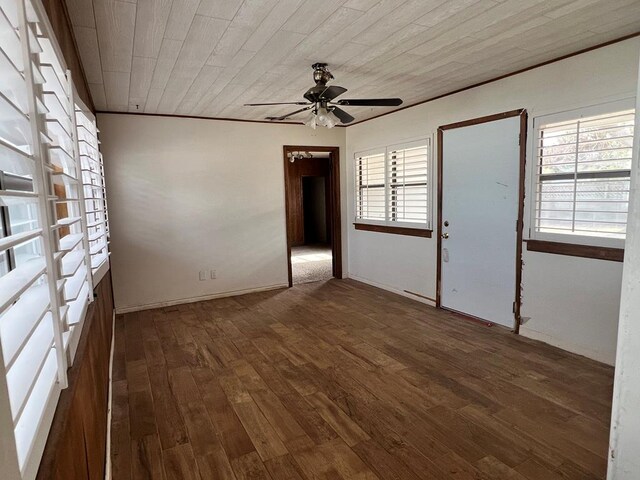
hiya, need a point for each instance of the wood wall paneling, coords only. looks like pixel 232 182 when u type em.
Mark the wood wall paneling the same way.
pixel 76 446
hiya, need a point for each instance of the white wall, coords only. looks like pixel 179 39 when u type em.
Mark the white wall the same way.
pixel 624 463
pixel 187 195
pixel 571 302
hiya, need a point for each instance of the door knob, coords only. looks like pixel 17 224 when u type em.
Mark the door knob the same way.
pixel 445 235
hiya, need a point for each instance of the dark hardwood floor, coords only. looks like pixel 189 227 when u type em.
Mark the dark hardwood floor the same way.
pixel 340 380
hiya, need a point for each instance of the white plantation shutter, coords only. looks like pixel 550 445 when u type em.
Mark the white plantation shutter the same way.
pixel 371 186
pixel 68 224
pixel 94 190
pixel 583 176
pixel 46 254
pixel 408 184
pixel 393 185
pixel 30 291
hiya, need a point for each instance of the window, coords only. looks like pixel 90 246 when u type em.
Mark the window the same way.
pixel 583 176
pixel 46 250
pixel 392 186
pixel 16 218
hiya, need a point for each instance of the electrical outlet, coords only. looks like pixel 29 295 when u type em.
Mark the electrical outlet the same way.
pixel 213 275
pixel 203 275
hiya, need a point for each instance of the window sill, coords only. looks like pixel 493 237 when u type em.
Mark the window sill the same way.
pixel 413 232
pixel 573 250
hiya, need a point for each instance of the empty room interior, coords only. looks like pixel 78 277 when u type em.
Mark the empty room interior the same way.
pixel 319 240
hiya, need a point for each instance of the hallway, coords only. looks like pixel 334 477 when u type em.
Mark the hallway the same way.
pixel 311 263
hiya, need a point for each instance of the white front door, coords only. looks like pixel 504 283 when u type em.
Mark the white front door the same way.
pixel 480 195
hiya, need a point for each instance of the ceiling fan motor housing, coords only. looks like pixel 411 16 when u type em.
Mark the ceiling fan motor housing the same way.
pixel 321 74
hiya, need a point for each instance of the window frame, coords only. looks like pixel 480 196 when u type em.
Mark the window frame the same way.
pixel 389 225
pixel 549 238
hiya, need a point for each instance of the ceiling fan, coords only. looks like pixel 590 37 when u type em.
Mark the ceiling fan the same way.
pixel 324 111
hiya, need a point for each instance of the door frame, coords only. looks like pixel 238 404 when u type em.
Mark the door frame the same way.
pixel 334 202
pixel 522 113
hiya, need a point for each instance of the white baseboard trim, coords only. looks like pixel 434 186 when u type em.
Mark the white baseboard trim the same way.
pixel 392 290
pixel 596 355
pixel 231 293
pixel 107 463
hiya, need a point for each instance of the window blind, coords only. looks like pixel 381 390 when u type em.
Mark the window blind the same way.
pixel 583 175
pixel 392 185
pixel 371 187
pixel 61 158
pixel 30 290
pixel 46 252
pixel 94 190
pixel 408 182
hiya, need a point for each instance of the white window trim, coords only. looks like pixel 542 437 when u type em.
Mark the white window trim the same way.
pixel 560 116
pixel 428 141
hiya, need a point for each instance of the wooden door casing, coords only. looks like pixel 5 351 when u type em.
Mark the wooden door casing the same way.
pixel 293 199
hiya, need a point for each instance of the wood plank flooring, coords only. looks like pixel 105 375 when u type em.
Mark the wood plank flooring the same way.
pixel 340 380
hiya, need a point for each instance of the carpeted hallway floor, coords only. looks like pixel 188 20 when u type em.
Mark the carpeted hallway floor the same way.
pixel 311 263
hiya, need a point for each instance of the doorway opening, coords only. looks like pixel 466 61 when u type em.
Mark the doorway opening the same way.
pixel 313 213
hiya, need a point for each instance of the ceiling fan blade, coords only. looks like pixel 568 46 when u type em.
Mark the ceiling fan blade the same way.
pixel 322 93
pixel 332 92
pixel 371 102
pixel 274 103
pixel 342 115
pixel 283 117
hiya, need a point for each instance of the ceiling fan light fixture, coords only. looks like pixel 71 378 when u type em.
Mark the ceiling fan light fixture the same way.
pixel 331 120
pixel 327 118
pixel 322 116
pixel 311 120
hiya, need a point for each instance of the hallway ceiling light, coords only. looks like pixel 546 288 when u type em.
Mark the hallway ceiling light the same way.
pixel 293 156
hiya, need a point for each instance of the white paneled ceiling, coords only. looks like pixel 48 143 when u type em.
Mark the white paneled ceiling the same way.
pixel 209 57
